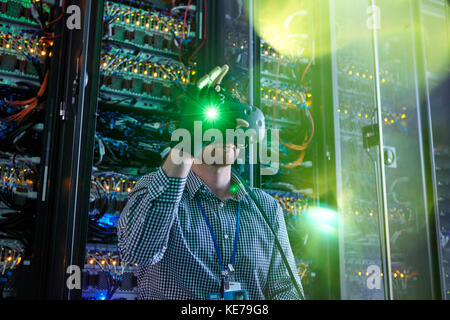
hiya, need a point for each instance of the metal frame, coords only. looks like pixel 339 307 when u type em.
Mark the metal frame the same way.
pixel 73 95
pixel 325 150
pixel 386 242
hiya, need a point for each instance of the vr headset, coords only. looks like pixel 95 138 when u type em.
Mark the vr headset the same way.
pixel 215 108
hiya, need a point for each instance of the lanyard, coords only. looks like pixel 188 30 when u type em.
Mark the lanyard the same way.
pixel 216 246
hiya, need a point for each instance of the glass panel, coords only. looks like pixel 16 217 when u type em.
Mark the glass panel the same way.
pixel 403 153
pixel 357 163
pixel 236 54
pixel 433 18
pixel 285 55
pixel 236 49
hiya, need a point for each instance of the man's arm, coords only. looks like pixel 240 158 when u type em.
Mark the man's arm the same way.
pixel 279 284
pixel 145 222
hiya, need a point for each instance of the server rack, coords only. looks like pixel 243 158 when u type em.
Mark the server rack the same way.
pixel 376 106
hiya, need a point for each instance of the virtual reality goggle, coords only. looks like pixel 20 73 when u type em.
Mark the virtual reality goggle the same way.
pixel 215 108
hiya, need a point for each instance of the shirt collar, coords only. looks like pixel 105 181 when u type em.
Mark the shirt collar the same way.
pixel 194 183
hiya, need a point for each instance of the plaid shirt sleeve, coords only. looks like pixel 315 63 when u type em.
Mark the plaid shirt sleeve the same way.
pixel 279 284
pixel 145 222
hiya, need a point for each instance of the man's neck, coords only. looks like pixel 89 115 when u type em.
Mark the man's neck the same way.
pixel 218 179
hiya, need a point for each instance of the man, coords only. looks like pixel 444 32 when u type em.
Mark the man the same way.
pixel 194 231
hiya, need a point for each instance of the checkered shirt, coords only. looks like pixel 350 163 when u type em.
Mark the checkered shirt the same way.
pixel 163 231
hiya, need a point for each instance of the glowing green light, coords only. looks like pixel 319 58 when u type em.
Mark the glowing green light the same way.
pixel 234 188
pixel 322 214
pixel 323 219
pixel 212 113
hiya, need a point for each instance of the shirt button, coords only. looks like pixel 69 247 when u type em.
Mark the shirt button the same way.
pixel 221 205
pixel 225 236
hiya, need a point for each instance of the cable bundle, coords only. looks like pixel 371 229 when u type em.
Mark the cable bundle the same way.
pixel 30 105
pixel 308 137
pixel 18 226
pixel 112 267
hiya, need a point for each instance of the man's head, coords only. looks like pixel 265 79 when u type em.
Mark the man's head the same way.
pixel 208 113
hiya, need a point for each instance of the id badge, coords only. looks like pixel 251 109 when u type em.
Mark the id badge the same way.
pixel 233 286
pixel 233 292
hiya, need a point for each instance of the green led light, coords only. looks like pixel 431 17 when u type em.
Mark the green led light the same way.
pixel 234 188
pixel 212 113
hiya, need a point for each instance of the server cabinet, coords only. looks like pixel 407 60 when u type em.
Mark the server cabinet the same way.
pixel 29 44
pixel 387 237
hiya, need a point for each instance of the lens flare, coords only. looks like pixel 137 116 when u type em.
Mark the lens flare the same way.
pixel 323 219
pixel 212 113
pixel 294 28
